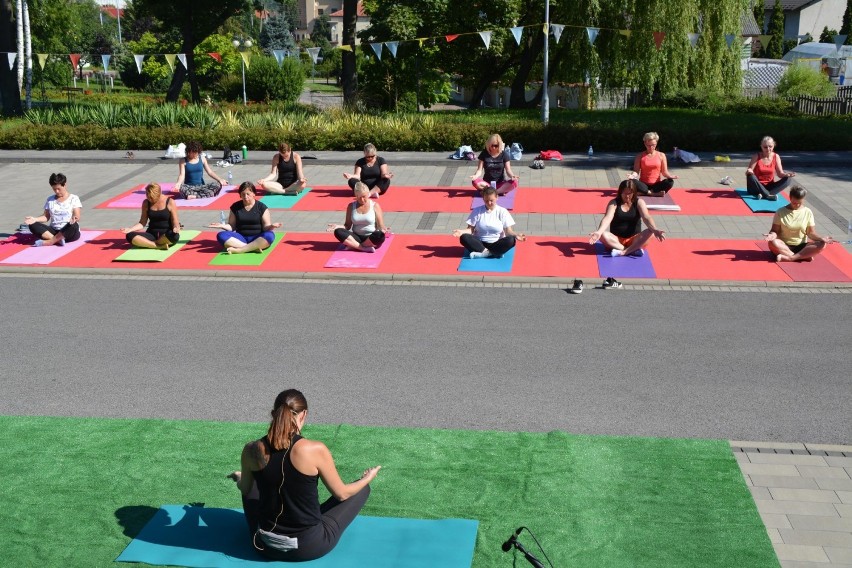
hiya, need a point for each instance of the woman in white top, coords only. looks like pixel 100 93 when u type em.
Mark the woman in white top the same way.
pixel 60 221
pixel 364 228
pixel 489 229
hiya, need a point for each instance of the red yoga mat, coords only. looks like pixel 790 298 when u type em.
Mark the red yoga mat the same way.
pixel 819 269
pixel 714 259
pixel 413 199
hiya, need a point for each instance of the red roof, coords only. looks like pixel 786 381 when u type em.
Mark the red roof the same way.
pixel 112 11
pixel 361 12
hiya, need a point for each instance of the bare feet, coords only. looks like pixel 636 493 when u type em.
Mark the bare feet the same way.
pixel 163 243
pixel 192 197
pixel 783 258
pixel 231 250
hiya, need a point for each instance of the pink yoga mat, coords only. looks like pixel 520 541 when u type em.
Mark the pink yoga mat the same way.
pixel 134 198
pixel 348 258
pixel 46 255
pixel 820 269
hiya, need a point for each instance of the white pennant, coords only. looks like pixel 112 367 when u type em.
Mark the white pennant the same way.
pixel 486 39
pixel 517 33
pixel 839 40
pixel 314 53
pixel 182 59
pixel 593 35
pixel 392 47
pixel 693 39
pixel 557 31
pixel 279 55
pixel 139 59
pixel 377 49
pixel 11 57
pixel 729 39
pixel 105 60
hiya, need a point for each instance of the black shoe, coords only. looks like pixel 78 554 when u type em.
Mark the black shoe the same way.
pixel 577 288
pixel 772 198
pixel 611 283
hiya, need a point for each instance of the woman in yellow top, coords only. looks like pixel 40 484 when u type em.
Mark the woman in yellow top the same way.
pixel 792 226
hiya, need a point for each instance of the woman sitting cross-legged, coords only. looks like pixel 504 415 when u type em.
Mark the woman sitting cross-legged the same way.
pixel 620 230
pixel 792 226
pixel 160 213
pixel 364 228
pixel 286 177
pixel 60 222
pixel 489 231
pixel 761 172
pixel 651 169
pixel 249 227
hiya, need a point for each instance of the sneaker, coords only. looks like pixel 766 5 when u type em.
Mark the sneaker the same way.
pixel 759 196
pixel 638 253
pixel 577 288
pixel 611 283
pixel 726 180
pixel 772 198
pixel 616 252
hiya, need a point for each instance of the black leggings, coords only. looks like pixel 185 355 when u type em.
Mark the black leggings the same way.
pixel 754 187
pixel 376 238
pixel 70 232
pixel 153 236
pixel 497 248
pixel 315 541
pixel 382 184
pixel 663 185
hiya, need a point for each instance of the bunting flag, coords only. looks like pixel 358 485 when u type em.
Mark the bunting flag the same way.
pixel 42 59
pixel 377 49
pixel 839 40
pixel 693 39
pixel 345 47
pixel 279 55
pixel 486 39
pixel 75 59
pixel 246 55
pixel 182 59
pixel 450 38
pixel 392 47
pixel 729 39
pixel 517 31
pixel 170 59
pixel 764 40
pixel 105 60
pixel 420 40
pixel 557 31
pixel 593 34
pixel 658 39
pixel 139 59
pixel 625 33
pixel 314 53
pixel 218 56
pixel 11 57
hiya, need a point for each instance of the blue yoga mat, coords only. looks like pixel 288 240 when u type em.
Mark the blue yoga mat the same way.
pixel 623 266
pixel 762 205
pixel 491 264
pixel 274 201
pixel 179 535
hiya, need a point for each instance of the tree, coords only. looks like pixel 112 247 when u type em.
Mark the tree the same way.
pixel 348 75
pixel 278 33
pixel 827 35
pixel 846 25
pixel 776 29
pixel 10 95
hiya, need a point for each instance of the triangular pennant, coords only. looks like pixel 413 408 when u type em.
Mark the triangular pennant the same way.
pixel 625 33
pixel 839 40
pixel 593 34
pixel 392 46
pixel 729 39
pixel 42 59
pixel 217 56
pixel 75 59
pixel 450 38
pixel 170 59
pixel 246 55
pixel 11 57
pixel 693 39
pixel 182 59
pixel 517 31
pixel 420 40
pixel 377 49
pixel 105 60
pixel 658 39
pixel 279 55
pixel 764 40
pixel 345 47
pixel 557 31
pixel 486 39
pixel 314 53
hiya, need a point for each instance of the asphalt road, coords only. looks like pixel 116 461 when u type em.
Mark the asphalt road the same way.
pixel 733 365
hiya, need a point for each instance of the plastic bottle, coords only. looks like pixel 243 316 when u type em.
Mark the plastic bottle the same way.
pixel 245 152
pixel 223 217
pixel 493 185
pixel 591 152
pixel 849 233
pixel 230 177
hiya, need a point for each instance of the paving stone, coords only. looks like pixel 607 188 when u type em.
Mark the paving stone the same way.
pixel 838 462
pixel 800 552
pixel 800 564
pixel 818 471
pixel 843 510
pixel 811 495
pixel 834 484
pixel 789 459
pixel 798 508
pixel 774 536
pixel 769 469
pixel 775 521
pixel 845 496
pixel 815 523
pixel 760 493
pixel 784 481
pixel 816 538
pixel 768 445
pixel 838 555
pixel 829 447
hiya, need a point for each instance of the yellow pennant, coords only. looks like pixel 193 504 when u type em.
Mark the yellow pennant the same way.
pixel 170 59
pixel 625 33
pixel 246 56
pixel 42 58
pixel 346 47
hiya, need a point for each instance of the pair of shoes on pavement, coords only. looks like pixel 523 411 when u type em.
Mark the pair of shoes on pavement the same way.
pixel 577 288
pixel 611 284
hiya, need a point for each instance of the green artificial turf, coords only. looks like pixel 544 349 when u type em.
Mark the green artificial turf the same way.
pixel 75 490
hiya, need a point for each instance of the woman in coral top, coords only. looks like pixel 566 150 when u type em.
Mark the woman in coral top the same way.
pixel 760 175
pixel 651 170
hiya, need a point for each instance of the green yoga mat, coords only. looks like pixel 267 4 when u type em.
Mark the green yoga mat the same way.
pixel 157 255
pixel 248 258
pixel 592 501
pixel 283 201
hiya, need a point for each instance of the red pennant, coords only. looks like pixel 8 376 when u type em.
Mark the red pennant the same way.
pixel 215 56
pixel 451 37
pixel 658 39
pixel 75 59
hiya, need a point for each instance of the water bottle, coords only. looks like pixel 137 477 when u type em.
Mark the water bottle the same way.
pixel 245 152
pixel 494 185
pixel 591 152
pixel 849 233
pixel 230 177
pixel 223 216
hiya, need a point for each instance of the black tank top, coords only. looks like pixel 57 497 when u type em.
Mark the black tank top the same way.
pixel 298 493
pixel 626 223
pixel 249 223
pixel 286 170
pixel 159 221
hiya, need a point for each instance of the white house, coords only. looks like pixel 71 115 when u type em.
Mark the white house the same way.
pixel 807 16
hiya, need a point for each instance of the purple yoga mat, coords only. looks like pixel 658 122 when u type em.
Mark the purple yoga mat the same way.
pixel 46 255
pixel 348 258
pixel 623 266
pixel 204 201
pixel 506 201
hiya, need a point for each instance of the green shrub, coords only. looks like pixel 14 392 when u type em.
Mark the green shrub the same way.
pixel 266 81
pixel 801 80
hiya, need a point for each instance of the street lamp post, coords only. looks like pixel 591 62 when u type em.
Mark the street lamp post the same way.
pixel 545 99
pixel 242 46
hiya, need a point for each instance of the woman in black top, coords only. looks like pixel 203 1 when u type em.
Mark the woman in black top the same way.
pixel 495 167
pixel 286 177
pixel 160 213
pixel 249 226
pixel 620 229
pixel 371 170
pixel 278 481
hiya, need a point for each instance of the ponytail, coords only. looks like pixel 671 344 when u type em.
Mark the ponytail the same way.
pixel 288 405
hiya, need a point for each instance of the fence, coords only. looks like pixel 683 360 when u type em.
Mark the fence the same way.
pixel 822 107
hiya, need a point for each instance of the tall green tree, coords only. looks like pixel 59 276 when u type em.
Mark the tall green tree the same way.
pixel 10 95
pixel 347 37
pixel 846 25
pixel 827 35
pixel 775 49
pixel 278 33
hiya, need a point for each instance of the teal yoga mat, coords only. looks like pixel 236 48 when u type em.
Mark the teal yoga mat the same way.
pixel 762 205
pixel 248 258
pixel 157 255
pixel 283 201
pixel 491 264
pixel 183 535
